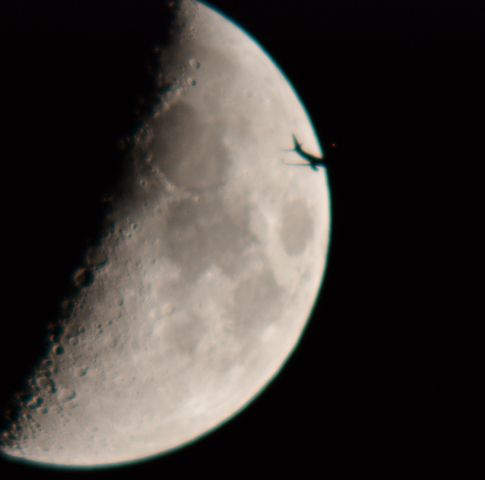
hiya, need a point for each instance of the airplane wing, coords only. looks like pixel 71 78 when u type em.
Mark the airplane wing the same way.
pixel 298 164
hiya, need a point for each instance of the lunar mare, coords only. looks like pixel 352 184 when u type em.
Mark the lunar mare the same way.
pixel 206 273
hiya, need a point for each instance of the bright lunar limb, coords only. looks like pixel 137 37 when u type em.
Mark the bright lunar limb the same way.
pixel 206 273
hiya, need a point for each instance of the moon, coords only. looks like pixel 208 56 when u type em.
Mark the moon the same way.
pixel 205 273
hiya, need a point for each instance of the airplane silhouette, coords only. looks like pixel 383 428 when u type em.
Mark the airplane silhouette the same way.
pixel 313 161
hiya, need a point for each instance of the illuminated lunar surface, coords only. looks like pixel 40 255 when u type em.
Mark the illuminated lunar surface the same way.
pixel 205 275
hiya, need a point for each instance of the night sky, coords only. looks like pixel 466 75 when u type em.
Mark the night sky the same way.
pixel 388 368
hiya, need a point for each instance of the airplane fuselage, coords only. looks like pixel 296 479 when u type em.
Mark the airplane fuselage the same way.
pixel 313 160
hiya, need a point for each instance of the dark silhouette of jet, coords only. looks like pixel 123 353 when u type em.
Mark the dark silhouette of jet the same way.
pixel 313 161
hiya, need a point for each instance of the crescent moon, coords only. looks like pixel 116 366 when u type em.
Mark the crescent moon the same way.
pixel 205 276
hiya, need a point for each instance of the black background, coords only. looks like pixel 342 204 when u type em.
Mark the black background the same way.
pixel 388 368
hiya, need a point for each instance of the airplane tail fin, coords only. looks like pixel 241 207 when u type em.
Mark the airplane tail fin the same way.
pixel 296 145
